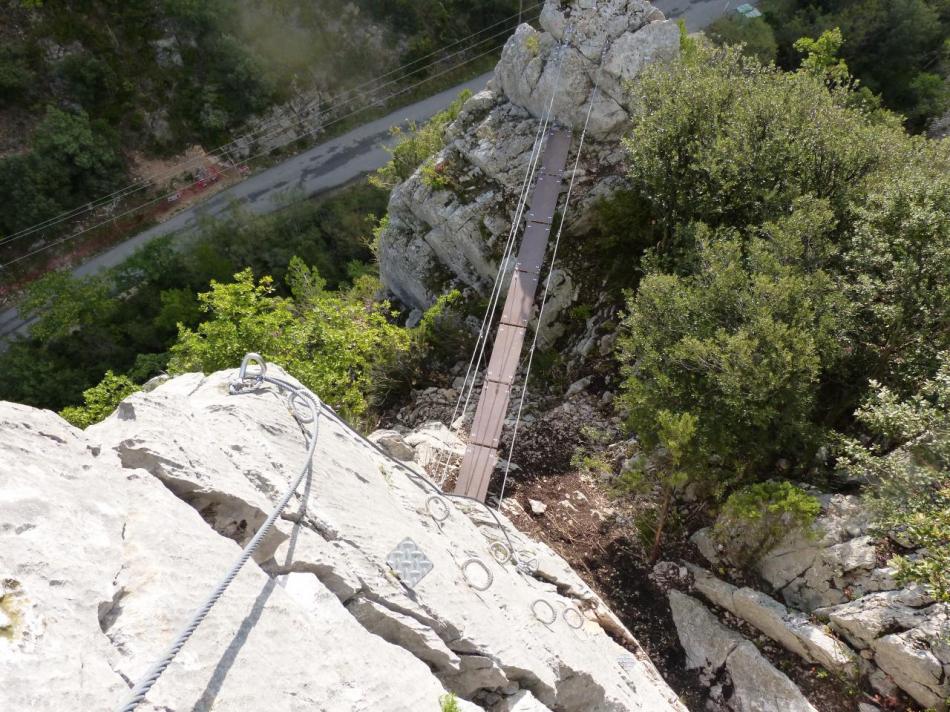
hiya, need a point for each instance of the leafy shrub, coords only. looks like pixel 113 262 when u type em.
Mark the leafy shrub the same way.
pixel 331 341
pixel 415 145
pixel 739 344
pixel 755 518
pixel 100 400
pixel 907 465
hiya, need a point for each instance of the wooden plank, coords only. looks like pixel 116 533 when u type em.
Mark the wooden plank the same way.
pixel 502 368
pixel 544 199
pixel 555 151
pixel 481 454
pixel 490 414
pixel 533 246
pixel 477 467
pixel 520 300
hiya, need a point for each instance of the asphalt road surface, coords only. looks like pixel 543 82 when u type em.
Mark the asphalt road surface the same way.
pixel 331 164
pixel 320 168
pixel 698 13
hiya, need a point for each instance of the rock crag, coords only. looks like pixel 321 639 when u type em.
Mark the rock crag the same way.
pixel 440 235
pixel 110 537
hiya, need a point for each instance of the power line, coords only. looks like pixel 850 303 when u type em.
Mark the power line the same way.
pixel 249 159
pixel 262 131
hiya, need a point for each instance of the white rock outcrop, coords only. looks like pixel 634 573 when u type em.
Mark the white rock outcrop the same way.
pixel 110 537
pixel 832 571
pixel 723 656
pixel 791 629
pixel 437 236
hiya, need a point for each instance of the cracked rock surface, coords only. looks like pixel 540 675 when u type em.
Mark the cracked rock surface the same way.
pixel 729 661
pixel 455 233
pixel 110 537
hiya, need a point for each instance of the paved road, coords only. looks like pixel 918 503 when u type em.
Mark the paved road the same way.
pixel 698 13
pixel 321 168
pixel 333 163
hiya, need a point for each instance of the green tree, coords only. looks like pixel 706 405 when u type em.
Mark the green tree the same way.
pixel 722 140
pixel 330 341
pixel 16 77
pixel 739 343
pixel 821 57
pixel 662 476
pixel 897 264
pixel 100 400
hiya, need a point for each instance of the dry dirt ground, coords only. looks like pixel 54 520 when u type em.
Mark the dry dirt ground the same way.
pixel 592 530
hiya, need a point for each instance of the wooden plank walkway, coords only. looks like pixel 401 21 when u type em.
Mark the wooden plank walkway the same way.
pixel 481 454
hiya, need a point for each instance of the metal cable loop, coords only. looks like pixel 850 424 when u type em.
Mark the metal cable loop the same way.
pixel 579 619
pixel 499 552
pixel 489 578
pixel 436 499
pixel 151 676
pixel 547 620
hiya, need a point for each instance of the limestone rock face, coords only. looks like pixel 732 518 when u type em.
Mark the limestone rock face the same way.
pixel 110 537
pixel 830 564
pixel 439 236
pixel 792 629
pixel 724 656
pixel 833 572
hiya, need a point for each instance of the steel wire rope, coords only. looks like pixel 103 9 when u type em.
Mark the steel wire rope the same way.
pixel 151 676
pixel 490 309
pixel 547 282
pixel 260 132
pixel 69 238
pixel 522 196
pixel 419 478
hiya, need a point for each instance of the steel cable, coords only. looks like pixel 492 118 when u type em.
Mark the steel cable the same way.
pixel 547 282
pixel 151 676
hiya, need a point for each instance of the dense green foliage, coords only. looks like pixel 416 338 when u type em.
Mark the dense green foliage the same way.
pixel 329 341
pixel 794 244
pixel 100 400
pixel 127 319
pixel 896 48
pixel 755 518
pixel 907 463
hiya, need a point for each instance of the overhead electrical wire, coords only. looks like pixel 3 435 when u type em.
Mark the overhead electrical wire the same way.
pixel 248 159
pixel 261 132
